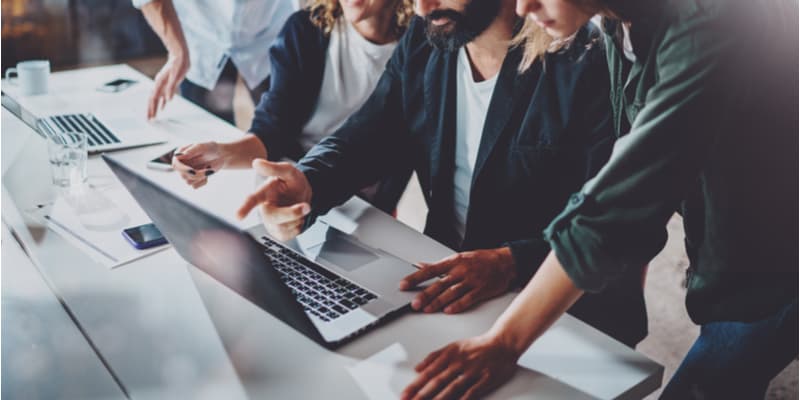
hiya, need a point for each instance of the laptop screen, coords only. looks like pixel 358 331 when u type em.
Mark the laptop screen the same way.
pixel 218 248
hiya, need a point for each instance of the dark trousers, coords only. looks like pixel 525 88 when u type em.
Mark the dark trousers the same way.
pixel 736 360
pixel 220 100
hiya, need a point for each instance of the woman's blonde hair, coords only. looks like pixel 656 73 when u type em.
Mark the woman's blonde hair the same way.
pixel 536 42
pixel 325 12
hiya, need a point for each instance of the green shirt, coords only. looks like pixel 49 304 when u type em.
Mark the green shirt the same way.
pixel 708 125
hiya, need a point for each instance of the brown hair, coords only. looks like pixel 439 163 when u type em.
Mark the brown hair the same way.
pixel 325 12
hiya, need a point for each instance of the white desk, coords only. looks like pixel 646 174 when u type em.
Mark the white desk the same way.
pixel 168 330
pixel 44 354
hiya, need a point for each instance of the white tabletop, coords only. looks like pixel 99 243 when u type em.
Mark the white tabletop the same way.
pixel 40 343
pixel 168 330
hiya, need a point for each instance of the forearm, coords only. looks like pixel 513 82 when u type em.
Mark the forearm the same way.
pixel 161 16
pixel 546 297
pixel 242 152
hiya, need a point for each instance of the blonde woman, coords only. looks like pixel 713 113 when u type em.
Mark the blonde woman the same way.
pixel 325 63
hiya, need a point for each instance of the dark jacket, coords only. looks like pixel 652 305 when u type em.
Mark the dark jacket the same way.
pixel 298 58
pixel 709 126
pixel 546 132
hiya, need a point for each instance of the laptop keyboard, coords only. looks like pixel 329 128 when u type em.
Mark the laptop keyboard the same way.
pixel 321 292
pixel 96 133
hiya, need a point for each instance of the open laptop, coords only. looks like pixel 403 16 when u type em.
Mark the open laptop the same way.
pixel 106 134
pixel 103 132
pixel 326 284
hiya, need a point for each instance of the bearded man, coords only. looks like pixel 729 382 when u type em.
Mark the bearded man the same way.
pixel 497 149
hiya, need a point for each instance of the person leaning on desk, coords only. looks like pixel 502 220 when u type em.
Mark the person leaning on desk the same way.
pixel 705 93
pixel 325 63
pixel 210 42
pixel 496 152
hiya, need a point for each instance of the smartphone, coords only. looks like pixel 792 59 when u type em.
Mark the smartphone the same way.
pixel 162 162
pixel 117 85
pixel 144 236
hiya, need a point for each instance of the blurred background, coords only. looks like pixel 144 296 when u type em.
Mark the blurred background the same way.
pixel 72 33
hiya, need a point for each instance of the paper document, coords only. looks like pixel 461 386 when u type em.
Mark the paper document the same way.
pixel 386 373
pixel 92 218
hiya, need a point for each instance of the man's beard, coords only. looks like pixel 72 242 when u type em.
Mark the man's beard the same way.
pixel 463 26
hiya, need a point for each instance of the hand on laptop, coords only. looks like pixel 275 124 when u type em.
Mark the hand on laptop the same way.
pixel 196 162
pixel 467 278
pixel 466 369
pixel 284 198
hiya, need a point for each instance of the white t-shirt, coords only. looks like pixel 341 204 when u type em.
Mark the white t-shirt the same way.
pixel 472 103
pixel 353 66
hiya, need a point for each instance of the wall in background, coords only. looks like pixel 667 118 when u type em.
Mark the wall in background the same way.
pixel 75 32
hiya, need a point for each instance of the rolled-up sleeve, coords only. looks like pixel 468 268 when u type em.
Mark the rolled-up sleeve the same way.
pixel 617 222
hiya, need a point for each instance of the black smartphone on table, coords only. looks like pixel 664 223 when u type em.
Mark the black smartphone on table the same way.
pixel 117 85
pixel 162 162
pixel 144 236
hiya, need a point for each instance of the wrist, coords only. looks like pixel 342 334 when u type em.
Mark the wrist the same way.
pixel 242 152
pixel 504 339
pixel 507 262
pixel 179 54
pixel 227 153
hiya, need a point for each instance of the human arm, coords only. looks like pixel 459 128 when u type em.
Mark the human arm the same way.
pixel 473 367
pixel 373 143
pixel 616 223
pixel 161 16
pixel 196 162
pixel 283 199
pixel 297 59
pixel 355 155
pixel 466 279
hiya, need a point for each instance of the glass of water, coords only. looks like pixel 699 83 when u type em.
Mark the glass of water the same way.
pixel 68 154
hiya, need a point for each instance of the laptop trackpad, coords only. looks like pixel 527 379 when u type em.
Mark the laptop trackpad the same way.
pixel 343 253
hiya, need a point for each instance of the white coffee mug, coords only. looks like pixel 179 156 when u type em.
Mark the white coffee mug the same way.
pixel 31 75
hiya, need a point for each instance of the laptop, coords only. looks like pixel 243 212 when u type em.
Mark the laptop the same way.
pixel 102 135
pixel 326 284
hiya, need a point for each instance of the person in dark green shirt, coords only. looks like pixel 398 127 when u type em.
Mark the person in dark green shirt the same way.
pixel 705 105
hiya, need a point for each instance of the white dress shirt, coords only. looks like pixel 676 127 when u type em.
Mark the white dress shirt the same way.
pixel 239 30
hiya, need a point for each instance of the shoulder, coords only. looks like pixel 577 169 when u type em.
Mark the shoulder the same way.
pixel 413 46
pixel 587 47
pixel 299 24
pixel 300 36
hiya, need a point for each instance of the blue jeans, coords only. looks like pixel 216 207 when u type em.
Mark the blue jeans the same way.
pixel 220 100
pixel 736 360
